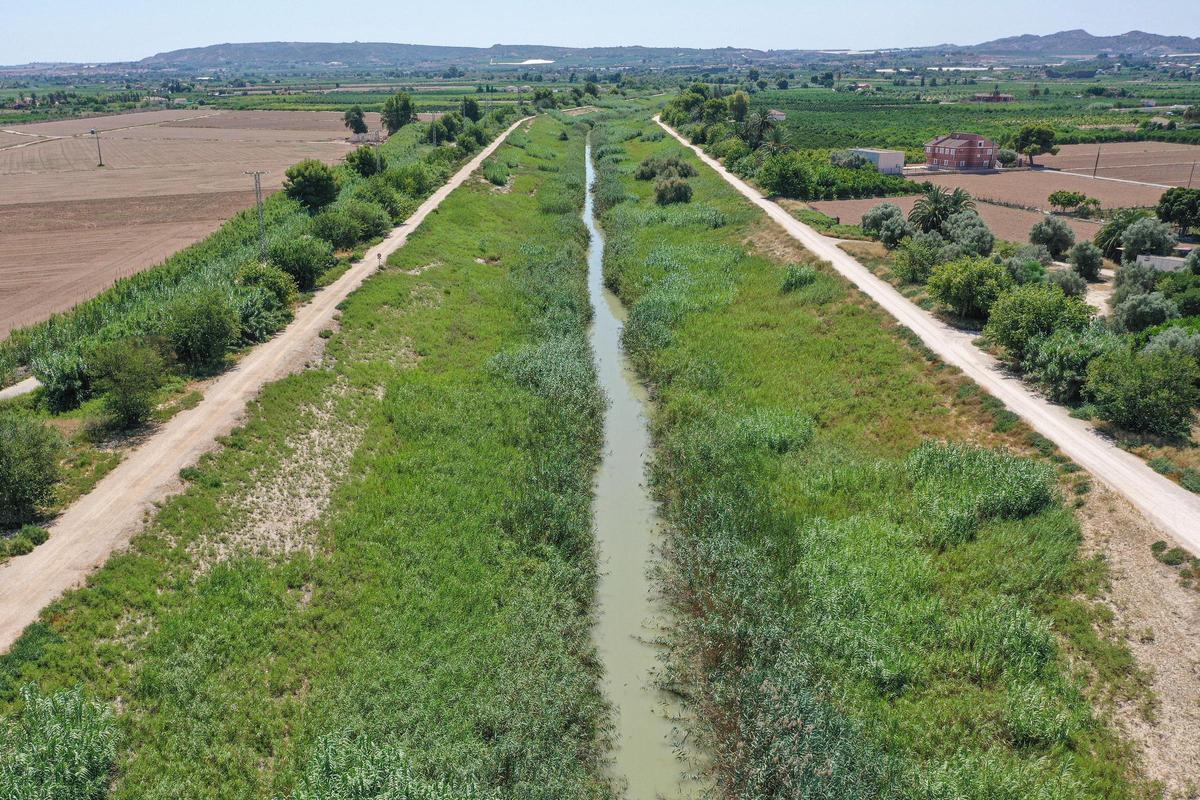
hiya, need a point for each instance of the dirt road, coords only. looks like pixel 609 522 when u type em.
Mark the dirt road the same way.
pixel 107 518
pixel 1175 510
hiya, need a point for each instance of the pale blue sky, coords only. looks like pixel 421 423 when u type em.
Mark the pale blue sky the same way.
pixel 119 30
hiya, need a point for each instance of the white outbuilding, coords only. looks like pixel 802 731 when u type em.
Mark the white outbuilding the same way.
pixel 889 162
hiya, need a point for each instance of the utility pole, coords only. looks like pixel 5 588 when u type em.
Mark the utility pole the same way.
pixel 99 157
pixel 1096 168
pixel 1191 175
pixel 262 225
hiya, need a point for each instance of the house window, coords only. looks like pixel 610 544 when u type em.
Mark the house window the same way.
pixel 962 163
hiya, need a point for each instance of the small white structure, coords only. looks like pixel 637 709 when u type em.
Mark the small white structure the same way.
pixel 1163 263
pixel 775 115
pixel 889 162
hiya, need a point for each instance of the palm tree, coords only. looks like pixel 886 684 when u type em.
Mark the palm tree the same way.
pixel 1108 238
pixel 937 205
pixel 756 128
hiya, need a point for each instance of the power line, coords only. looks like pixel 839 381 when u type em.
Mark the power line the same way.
pixel 262 225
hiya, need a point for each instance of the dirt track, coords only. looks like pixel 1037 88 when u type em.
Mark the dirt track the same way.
pixel 105 519
pixel 1166 504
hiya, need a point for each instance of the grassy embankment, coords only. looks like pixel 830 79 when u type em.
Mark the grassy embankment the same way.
pixel 393 554
pixel 870 613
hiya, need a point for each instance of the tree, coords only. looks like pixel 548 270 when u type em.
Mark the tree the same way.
pixel 471 110
pixel 1059 362
pixel 398 111
pixel 1070 281
pixel 591 88
pixel 311 183
pixel 201 328
pixel 366 161
pixel 915 257
pixel 1054 234
pixel 1025 313
pixel 756 128
pixel 874 217
pixel 739 106
pixel 1087 260
pixel 303 258
pixel 1006 157
pixel 936 205
pixel 894 230
pixel 1108 238
pixel 968 230
pixel 782 83
pixel 128 373
pixel 1180 207
pixel 1141 311
pixel 29 454
pixel 1146 236
pixel 1145 392
pixel 969 286
pixel 1035 140
pixel 355 120
pixel 1065 200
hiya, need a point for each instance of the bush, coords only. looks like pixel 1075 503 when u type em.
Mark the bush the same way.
pixel 1133 279
pixel 797 276
pixel 874 217
pixel 1006 157
pixel 894 230
pixel 414 180
pixel 65 376
pixel 1146 236
pixel 1029 312
pixel 1059 362
pixel 337 227
pixel 379 191
pixel 1179 339
pixel 916 256
pixel 311 183
pixel 302 258
pixel 1087 260
pixel 969 286
pixel 128 373
pixel 672 190
pixel 366 161
pixel 1141 311
pixel 668 166
pixel 201 328
pixel 60 747
pixel 29 454
pixel 371 219
pixel 1054 234
pixel 1145 392
pixel 272 279
pixel 968 230
pixel 1069 281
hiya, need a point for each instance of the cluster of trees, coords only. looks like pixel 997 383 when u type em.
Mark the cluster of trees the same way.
pixel 669 173
pixel 1069 202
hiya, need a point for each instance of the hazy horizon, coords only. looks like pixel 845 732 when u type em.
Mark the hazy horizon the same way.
pixel 133 29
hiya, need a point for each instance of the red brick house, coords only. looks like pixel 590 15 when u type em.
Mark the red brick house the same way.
pixel 960 151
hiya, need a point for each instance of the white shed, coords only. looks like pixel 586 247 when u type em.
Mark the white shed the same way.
pixel 889 162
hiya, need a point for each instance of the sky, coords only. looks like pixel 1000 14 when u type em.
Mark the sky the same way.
pixel 126 30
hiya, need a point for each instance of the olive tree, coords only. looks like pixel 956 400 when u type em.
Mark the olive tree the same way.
pixel 1147 236
pixel 1087 260
pixel 1054 234
pixel 1142 311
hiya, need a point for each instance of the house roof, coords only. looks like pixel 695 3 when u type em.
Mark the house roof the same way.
pixel 956 140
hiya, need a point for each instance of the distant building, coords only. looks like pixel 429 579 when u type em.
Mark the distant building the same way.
pixel 1162 263
pixel 775 115
pixel 993 97
pixel 889 162
pixel 960 151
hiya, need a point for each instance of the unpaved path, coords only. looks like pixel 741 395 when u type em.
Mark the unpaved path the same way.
pixel 104 520
pixel 1166 504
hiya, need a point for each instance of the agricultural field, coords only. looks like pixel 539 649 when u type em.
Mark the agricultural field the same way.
pixel 69 229
pixel 1031 188
pixel 1163 163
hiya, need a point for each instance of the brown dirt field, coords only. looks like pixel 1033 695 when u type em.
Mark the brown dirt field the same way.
pixel 1031 188
pixel 1012 224
pixel 1153 162
pixel 69 228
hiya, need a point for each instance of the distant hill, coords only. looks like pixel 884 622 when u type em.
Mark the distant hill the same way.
pixel 1081 43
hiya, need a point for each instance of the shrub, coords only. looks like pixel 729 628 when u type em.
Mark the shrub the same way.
pixel 874 217
pixel 303 258
pixel 969 286
pixel 1059 362
pixel 272 279
pixel 1144 310
pixel 1179 339
pixel 1145 392
pixel 337 227
pixel 495 171
pixel 65 376
pixel 894 230
pixel 128 373
pixel 1006 157
pixel 672 190
pixel 797 276
pixel 1071 283
pixel 1028 312
pixel 1087 260
pixel 379 191
pixel 258 314
pixel 29 454
pixel 668 166
pixel 366 161
pixel 1133 279
pixel 60 746
pixel 916 256
pixel 311 183
pixel 968 230
pixel 1054 234
pixel 371 219
pixel 1146 236
pixel 201 328
pixel 414 180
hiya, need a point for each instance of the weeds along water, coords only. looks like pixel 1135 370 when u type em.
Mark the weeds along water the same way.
pixel 434 637
pixel 869 606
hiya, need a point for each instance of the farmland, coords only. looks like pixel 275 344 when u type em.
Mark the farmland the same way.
pixel 69 229
pixel 1164 163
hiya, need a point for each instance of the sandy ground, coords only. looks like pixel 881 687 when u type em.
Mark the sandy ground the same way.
pixel 1031 188
pixel 68 228
pixel 1153 162
pixel 1012 224
pixel 105 519
pixel 1142 593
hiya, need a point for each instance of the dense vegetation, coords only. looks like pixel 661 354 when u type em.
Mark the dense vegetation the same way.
pixel 867 611
pixel 429 633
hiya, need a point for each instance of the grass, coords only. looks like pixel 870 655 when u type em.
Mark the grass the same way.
pixel 439 605
pixel 916 604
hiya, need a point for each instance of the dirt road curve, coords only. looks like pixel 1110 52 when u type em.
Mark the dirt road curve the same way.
pixel 1169 506
pixel 106 518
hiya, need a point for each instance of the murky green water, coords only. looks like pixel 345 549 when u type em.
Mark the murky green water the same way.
pixel 630 613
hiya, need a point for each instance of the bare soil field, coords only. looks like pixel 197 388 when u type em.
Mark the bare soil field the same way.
pixel 1031 188
pixel 69 228
pixel 1152 162
pixel 1012 224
